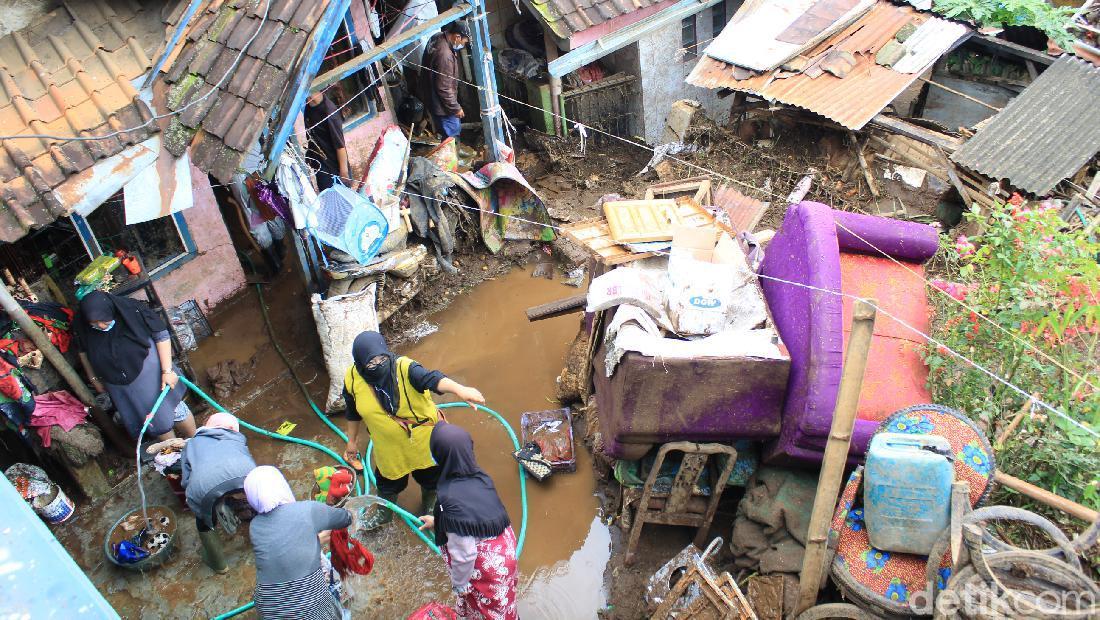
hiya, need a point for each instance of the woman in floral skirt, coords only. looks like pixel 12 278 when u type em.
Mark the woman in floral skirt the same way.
pixel 473 530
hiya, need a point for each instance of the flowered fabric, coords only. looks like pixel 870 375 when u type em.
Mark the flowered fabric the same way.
pixel 891 579
pixel 492 591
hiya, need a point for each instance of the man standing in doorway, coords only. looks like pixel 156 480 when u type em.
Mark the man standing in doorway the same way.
pixel 325 141
pixel 441 59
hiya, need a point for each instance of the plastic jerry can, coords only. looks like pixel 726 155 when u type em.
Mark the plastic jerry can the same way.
pixel 907 491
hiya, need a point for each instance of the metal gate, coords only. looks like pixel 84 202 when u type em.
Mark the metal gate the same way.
pixel 604 105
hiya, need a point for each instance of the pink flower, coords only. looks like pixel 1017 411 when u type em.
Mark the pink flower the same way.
pixel 1016 199
pixel 964 247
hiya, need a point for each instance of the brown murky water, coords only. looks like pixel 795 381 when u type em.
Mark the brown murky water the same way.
pixel 484 340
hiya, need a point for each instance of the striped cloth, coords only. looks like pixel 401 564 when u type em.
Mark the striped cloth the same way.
pixel 308 598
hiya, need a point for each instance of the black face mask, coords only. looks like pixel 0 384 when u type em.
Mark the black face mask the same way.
pixel 376 369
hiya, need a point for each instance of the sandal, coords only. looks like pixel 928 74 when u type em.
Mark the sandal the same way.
pixel 530 457
pixel 353 461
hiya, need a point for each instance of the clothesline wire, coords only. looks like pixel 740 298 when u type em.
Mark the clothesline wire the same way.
pixel 895 318
pixel 769 192
pixel 927 337
pixel 156 117
pixel 365 89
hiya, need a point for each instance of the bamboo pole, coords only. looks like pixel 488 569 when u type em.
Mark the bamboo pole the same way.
pixel 836 452
pixel 1050 499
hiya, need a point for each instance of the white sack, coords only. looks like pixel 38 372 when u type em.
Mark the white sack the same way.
pixel 339 320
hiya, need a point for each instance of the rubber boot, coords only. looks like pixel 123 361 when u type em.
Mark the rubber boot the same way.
pixel 427 502
pixel 212 554
pixel 381 515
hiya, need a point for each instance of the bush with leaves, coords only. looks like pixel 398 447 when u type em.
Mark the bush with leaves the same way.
pixel 1040 287
pixel 1054 21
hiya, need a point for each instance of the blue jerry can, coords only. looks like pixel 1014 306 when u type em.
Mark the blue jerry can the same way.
pixel 907 491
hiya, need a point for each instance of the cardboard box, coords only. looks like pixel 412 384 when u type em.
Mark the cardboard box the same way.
pixel 706 270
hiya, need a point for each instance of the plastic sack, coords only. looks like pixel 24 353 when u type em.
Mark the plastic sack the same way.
pixel 636 287
pixel 30 480
pixel 339 320
pixel 348 221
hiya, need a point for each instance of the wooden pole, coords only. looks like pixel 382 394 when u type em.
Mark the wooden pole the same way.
pixel 836 452
pixel 559 128
pixel 1050 499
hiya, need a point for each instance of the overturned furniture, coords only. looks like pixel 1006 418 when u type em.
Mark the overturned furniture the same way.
pixel 686 587
pixel 682 502
pixel 818 250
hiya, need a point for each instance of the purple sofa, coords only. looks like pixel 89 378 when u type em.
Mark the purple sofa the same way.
pixel 811 248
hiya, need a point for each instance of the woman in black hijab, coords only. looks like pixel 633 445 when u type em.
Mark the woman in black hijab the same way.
pixel 125 349
pixel 473 530
pixel 391 394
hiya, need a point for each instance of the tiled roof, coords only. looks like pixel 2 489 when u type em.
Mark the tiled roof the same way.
pixel 812 81
pixel 221 128
pixel 69 74
pixel 1045 134
pixel 568 17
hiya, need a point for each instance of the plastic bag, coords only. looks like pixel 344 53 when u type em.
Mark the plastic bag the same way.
pixel 30 480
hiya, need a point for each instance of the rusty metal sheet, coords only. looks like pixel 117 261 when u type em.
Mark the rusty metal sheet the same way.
pixel 850 101
pixel 566 18
pixel 764 36
pixel 1045 134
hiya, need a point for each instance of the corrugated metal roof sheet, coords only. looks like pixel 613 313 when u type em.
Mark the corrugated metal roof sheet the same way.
pixel 864 91
pixel 1045 134
pixel 764 37
pixel 222 127
pixel 568 17
pixel 69 74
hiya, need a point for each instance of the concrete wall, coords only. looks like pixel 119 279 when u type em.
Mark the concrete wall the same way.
pixel 213 275
pixel 501 14
pixel 663 67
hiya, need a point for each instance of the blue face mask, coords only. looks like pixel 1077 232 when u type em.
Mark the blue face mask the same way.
pixel 104 329
pixel 457 47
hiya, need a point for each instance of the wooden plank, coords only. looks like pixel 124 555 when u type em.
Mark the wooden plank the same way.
pixel 699 187
pixel 916 132
pixel 955 180
pixel 1009 48
pixel 640 221
pixel 867 174
pixel 595 236
pixel 557 308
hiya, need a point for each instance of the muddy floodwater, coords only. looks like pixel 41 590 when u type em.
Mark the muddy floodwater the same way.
pixel 483 339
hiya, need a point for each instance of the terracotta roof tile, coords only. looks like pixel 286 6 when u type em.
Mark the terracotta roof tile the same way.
pixel 244 77
pixel 221 117
pixel 307 15
pixel 288 48
pixel 109 45
pixel 283 10
pixel 226 121
pixel 267 38
pixel 568 17
pixel 269 85
pixel 246 128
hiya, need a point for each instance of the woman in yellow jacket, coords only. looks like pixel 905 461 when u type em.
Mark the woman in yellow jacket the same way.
pixel 391 395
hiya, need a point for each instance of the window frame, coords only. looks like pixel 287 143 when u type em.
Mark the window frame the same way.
pixel 688 24
pixel 716 25
pixel 348 25
pixel 92 246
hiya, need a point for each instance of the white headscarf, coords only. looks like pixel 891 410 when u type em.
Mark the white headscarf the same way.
pixel 267 489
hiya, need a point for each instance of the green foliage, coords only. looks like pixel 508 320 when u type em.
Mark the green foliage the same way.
pixel 1041 287
pixel 1052 20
